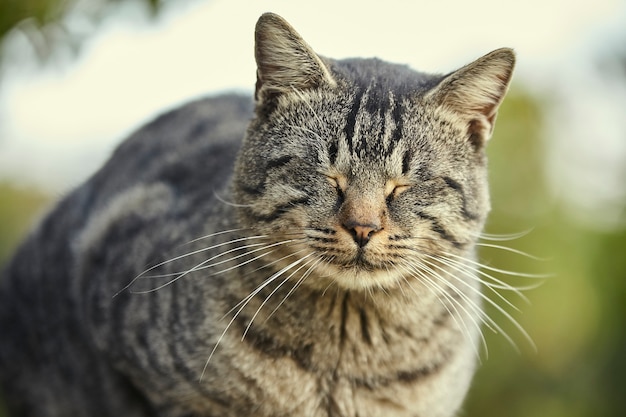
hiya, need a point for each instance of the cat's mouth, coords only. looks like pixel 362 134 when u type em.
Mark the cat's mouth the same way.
pixel 358 263
pixel 359 273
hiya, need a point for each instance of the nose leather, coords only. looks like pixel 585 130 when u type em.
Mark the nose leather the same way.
pixel 361 233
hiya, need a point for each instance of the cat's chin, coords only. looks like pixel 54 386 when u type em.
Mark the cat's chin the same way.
pixel 357 277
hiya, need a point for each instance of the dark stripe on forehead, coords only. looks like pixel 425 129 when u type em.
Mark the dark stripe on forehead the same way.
pixel 376 106
pixel 383 116
pixel 351 119
pixel 375 100
pixel 397 118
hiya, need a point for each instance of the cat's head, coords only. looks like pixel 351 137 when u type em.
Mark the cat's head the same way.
pixel 367 170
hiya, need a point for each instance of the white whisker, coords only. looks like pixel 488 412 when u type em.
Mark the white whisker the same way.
pixel 417 271
pixel 217 234
pixel 501 271
pixel 306 101
pixel 296 285
pixel 493 304
pixel 284 242
pixel 476 268
pixel 264 266
pixel 203 264
pixel 228 203
pixel 243 303
pixel 503 237
pixel 195 252
pixel 512 250
pixel 474 273
pixel 293 264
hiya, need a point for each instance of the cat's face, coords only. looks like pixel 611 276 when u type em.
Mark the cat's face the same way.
pixel 371 195
pixel 369 174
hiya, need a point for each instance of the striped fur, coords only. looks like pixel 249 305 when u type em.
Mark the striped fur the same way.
pixel 320 267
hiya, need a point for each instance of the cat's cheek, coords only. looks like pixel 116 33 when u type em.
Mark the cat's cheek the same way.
pixel 295 221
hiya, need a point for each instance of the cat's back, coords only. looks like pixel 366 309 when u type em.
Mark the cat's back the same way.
pixel 174 166
pixel 201 135
pixel 187 152
pixel 155 190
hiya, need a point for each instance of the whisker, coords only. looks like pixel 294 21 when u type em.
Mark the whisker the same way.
pixel 330 284
pixel 195 252
pixel 304 276
pixel 228 203
pixel 512 250
pixel 242 305
pixel 503 237
pixel 476 268
pixel 485 319
pixel 306 101
pixel 204 265
pixel 479 313
pixel 284 242
pixel 418 273
pixel 501 271
pixel 246 262
pixel 494 305
pixel 215 234
pixel 295 263
pixel 258 269
pixel 304 129
pixel 472 272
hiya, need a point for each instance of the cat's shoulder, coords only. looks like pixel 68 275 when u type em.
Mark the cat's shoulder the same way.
pixel 206 120
pixel 197 133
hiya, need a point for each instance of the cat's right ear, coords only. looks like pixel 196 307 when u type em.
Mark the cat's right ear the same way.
pixel 286 64
pixel 474 92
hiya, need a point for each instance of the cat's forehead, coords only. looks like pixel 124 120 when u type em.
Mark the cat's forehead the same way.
pixel 365 133
pixel 373 125
pixel 379 130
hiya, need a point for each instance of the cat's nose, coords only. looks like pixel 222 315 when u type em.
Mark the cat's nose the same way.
pixel 361 233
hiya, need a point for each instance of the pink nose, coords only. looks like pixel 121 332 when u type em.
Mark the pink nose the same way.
pixel 361 233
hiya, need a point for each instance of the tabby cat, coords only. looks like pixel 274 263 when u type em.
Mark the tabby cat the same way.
pixel 310 252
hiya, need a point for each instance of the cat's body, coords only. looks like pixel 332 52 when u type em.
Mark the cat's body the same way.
pixel 328 270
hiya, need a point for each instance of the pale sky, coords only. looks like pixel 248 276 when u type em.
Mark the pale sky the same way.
pixel 58 124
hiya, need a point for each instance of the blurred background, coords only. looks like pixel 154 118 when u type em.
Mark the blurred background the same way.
pixel 77 76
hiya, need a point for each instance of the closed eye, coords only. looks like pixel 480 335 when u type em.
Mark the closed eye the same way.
pixel 339 184
pixel 394 189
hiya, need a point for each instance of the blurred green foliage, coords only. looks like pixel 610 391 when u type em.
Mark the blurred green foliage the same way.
pixel 13 12
pixel 19 207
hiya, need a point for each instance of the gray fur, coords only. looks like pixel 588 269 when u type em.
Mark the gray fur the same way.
pixel 337 239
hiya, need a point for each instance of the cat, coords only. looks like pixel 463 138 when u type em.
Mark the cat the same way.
pixel 308 252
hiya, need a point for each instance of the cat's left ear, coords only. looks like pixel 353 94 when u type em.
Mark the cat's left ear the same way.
pixel 475 92
pixel 285 62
